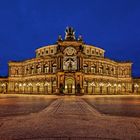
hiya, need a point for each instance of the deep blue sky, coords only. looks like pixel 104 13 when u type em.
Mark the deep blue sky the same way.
pixel 113 25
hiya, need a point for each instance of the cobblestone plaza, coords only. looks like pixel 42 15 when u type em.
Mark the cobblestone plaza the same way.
pixel 52 117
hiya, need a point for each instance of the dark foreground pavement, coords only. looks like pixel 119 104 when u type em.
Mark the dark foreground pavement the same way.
pixel 69 118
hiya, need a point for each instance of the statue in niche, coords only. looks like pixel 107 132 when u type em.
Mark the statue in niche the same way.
pixel 70 65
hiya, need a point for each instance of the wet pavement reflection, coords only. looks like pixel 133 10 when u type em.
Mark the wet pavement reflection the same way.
pixel 16 105
pixel 116 106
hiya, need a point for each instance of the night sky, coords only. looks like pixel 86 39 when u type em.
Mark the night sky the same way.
pixel 26 25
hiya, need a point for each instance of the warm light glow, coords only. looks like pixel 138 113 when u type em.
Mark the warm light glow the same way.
pixel 115 85
pixel 20 84
pixel 3 85
pixel 93 84
pixel 24 84
pixel 136 85
pixel 30 84
pixel 46 84
pixel 16 84
pixel 101 84
pixel 109 85
pixel 38 84
pixel 119 85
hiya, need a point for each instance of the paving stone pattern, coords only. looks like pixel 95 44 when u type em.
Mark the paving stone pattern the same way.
pixel 69 118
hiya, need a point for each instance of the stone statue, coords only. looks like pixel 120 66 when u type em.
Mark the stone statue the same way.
pixel 69 34
pixel 70 65
pixel 80 38
pixel 60 38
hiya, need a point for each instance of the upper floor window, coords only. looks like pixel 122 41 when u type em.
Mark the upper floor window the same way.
pixel 46 69
pixel 101 69
pixel 54 68
pixel 85 68
pixel 92 51
pixel 87 51
pixel 100 53
pixel 16 71
pixel 46 51
pixel 38 68
pixel 51 51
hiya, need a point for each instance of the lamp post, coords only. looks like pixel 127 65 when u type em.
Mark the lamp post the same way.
pixel 24 85
pixel 20 85
pixel 46 86
pixel 93 85
pixel 115 86
pixel 16 87
pixel 108 87
pixel 38 87
pixel 119 86
pixel 101 87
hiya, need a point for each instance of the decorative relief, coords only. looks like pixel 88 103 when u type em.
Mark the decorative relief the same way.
pixel 70 51
pixel 70 63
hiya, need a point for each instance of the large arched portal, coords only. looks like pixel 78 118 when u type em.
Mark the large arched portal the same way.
pixel 69 85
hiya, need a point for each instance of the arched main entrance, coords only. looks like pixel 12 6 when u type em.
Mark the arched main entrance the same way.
pixel 69 85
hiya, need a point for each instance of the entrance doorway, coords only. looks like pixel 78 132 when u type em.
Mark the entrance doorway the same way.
pixel 69 85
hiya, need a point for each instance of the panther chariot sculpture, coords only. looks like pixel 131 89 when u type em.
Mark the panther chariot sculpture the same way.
pixel 69 34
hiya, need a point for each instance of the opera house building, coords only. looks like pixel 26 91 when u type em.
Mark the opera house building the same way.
pixel 70 67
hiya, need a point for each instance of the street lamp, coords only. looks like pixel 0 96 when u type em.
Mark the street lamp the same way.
pixel 20 85
pixel 115 85
pixel 93 85
pixel 46 86
pixel 38 87
pixel 108 86
pixel 101 86
pixel 119 87
pixel 24 85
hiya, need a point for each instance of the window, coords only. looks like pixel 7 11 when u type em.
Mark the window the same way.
pixel 93 69
pixel 51 51
pixel 46 69
pixel 101 69
pixel 17 72
pixel 38 68
pixel 54 69
pixel 85 68
pixel 46 51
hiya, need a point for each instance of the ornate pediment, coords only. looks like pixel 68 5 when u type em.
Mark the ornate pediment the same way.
pixel 70 51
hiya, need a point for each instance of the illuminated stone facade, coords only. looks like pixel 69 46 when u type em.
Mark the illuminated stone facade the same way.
pixel 71 67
